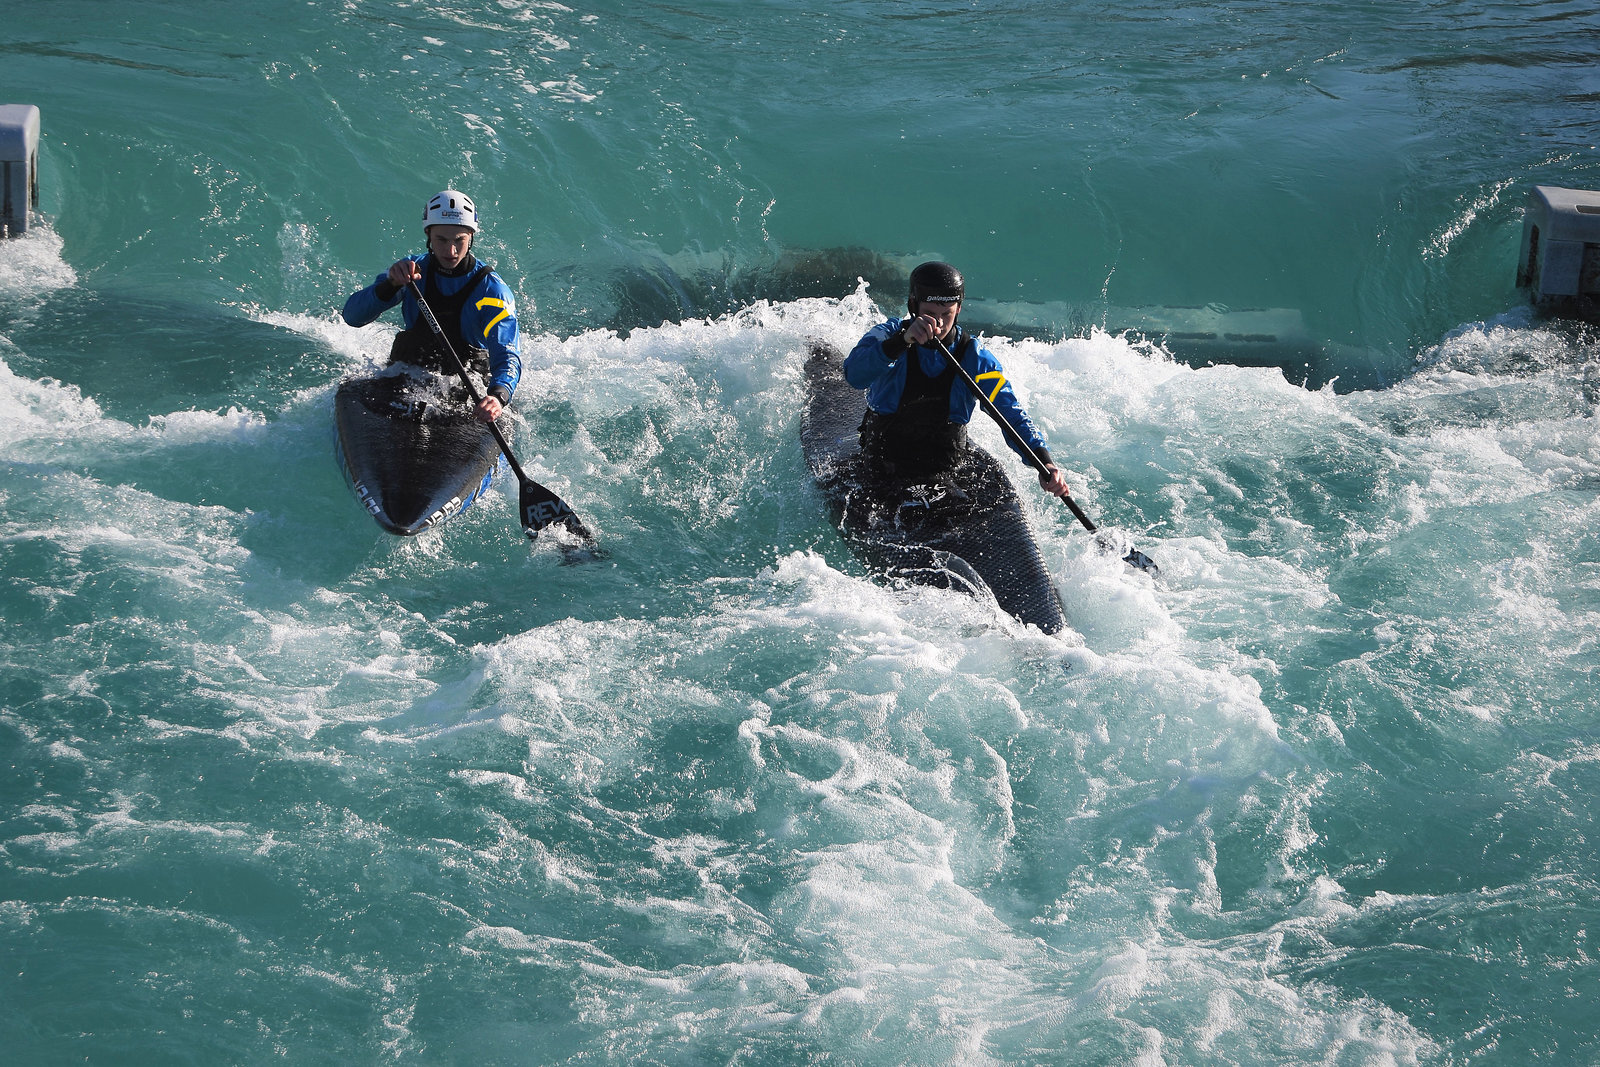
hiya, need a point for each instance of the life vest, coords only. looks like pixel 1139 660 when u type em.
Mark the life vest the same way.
pixel 418 345
pixel 917 439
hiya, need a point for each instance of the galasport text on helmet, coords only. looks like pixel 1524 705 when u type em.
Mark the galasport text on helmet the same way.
pixel 450 208
pixel 936 281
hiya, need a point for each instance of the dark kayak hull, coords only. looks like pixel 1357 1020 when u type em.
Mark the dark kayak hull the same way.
pixel 964 530
pixel 412 452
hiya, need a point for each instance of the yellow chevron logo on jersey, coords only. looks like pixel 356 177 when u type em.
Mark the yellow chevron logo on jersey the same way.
pixel 999 382
pixel 491 302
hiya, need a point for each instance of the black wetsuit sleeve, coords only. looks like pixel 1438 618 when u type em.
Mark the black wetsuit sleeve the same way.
pixel 895 345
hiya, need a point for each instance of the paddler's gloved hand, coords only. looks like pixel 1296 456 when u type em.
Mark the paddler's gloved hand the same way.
pixel 1055 483
pixel 919 330
pixel 403 272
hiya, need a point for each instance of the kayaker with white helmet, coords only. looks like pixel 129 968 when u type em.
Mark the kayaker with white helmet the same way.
pixel 473 304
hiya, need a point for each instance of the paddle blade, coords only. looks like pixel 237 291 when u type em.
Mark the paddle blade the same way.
pixel 1138 559
pixel 540 508
pixel 1114 544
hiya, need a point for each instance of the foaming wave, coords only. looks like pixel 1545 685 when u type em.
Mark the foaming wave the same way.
pixel 32 266
pixel 29 408
pixel 755 802
pixel 884 791
pixel 36 414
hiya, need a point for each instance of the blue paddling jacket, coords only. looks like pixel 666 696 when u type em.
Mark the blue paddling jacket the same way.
pixel 483 332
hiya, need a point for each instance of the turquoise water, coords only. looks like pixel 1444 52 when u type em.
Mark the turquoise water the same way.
pixel 275 786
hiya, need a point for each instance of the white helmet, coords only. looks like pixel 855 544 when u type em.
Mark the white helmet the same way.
pixel 450 208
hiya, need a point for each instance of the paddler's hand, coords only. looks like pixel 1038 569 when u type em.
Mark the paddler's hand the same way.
pixel 488 409
pixel 1056 483
pixel 403 272
pixel 920 329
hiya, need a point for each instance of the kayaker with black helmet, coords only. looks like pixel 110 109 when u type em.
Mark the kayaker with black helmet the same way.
pixel 918 407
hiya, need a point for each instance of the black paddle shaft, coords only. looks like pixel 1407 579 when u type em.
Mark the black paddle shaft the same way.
pixel 539 506
pixel 1134 556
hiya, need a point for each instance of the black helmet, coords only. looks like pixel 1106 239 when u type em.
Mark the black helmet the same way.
pixel 937 281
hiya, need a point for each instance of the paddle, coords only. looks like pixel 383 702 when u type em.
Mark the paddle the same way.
pixel 1134 558
pixel 539 506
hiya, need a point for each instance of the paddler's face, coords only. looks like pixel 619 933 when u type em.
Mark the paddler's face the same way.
pixel 943 315
pixel 449 244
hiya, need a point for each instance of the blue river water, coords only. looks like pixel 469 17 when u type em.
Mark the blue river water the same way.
pixel 278 787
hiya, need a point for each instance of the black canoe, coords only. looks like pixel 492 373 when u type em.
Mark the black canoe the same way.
pixel 965 530
pixel 411 448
